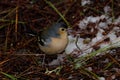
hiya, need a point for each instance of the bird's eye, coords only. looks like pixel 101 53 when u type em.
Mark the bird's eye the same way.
pixel 62 29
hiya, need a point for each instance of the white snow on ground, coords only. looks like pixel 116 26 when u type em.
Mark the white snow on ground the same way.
pixel 107 9
pixel 84 2
pixel 117 21
pixel 102 22
pixel 87 48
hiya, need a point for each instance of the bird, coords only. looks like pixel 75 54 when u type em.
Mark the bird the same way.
pixel 54 39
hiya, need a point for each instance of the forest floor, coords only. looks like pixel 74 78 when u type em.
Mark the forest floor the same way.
pixel 21 58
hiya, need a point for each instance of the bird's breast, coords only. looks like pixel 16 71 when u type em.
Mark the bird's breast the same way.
pixel 57 45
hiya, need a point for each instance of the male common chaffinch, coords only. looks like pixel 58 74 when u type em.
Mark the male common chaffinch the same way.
pixel 54 39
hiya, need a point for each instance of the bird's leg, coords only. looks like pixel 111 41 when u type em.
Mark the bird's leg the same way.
pixel 43 60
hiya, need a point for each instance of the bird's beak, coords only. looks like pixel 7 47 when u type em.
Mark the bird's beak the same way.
pixel 69 30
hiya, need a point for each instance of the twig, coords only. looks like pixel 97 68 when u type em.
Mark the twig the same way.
pixel 77 44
